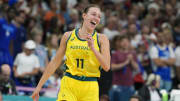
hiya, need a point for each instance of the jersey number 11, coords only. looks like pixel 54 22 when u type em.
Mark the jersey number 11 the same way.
pixel 78 62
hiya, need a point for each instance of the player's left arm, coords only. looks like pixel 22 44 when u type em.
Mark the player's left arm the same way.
pixel 104 55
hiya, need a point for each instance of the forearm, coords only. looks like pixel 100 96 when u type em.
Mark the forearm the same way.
pixel 118 66
pixel 159 62
pixel 170 61
pixel 34 72
pixel 50 69
pixel 104 61
pixel 135 65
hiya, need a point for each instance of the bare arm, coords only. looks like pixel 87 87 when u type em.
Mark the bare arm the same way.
pixel 103 56
pixel 134 64
pixel 56 61
pixel 159 62
pixel 120 65
pixel 35 71
pixel 170 61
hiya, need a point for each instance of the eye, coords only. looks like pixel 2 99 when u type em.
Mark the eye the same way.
pixel 96 15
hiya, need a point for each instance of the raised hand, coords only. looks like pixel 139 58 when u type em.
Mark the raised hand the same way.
pixel 90 41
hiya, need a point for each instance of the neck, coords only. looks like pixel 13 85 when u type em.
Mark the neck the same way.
pixel 16 23
pixel 161 44
pixel 124 49
pixel 84 30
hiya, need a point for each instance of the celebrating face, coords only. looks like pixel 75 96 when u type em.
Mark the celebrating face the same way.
pixel 92 17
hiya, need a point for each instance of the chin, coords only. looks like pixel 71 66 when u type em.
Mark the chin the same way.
pixel 91 28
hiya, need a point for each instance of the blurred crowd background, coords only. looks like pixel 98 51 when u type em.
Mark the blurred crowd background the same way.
pixel 144 37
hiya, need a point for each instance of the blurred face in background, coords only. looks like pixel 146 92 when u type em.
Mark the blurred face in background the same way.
pixel 134 99
pixel 28 52
pixel 38 38
pixel 112 22
pixel 53 5
pixel 22 17
pixel 125 43
pixel 6 71
pixel 74 15
pixel 145 30
pixel 161 38
pixel 132 28
pixel 169 10
pixel 131 19
pixel 54 40
pixel 10 14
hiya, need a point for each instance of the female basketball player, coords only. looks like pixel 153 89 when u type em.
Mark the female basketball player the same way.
pixel 85 50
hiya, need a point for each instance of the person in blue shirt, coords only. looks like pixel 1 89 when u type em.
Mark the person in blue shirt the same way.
pixel 163 59
pixel 21 36
pixel 7 34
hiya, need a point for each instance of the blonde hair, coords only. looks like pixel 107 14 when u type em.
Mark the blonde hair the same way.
pixel 151 78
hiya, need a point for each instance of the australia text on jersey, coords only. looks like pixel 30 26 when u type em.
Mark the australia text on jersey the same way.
pixel 80 47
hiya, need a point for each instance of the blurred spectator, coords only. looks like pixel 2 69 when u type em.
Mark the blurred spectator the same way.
pixel 64 11
pixel 52 45
pixel 170 13
pixel 75 23
pixel 145 36
pixel 169 38
pixel 135 98
pixel 133 35
pixel 21 33
pixel 104 98
pixel 132 19
pixel 163 59
pixel 177 63
pixel 40 51
pixel 144 58
pixel 30 24
pixel 150 91
pixel 55 26
pixel 26 65
pixel 7 85
pixel 53 84
pixel 1 98
pixel 53 13
pixel 176 31
pixel 110 29
pixel 7 34
pixel 124 62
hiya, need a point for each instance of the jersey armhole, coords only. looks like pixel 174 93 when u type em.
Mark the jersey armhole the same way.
pixel 98 42
pixel 68 38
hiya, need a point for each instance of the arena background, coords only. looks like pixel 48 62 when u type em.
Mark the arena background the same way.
pixel 45 21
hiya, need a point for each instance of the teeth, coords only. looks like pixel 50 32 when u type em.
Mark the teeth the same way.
pixel 93 22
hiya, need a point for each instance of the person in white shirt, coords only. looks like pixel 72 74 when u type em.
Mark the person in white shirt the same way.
pixel 110 29
pixel 150 91
pixel 26 65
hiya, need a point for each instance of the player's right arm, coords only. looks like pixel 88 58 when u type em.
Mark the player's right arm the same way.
pixel 52 66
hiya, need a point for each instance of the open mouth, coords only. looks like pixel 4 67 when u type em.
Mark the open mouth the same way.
pixel 93 23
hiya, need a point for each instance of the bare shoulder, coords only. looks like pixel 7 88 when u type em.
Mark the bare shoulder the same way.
pixel 103 38
pixel 66 35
